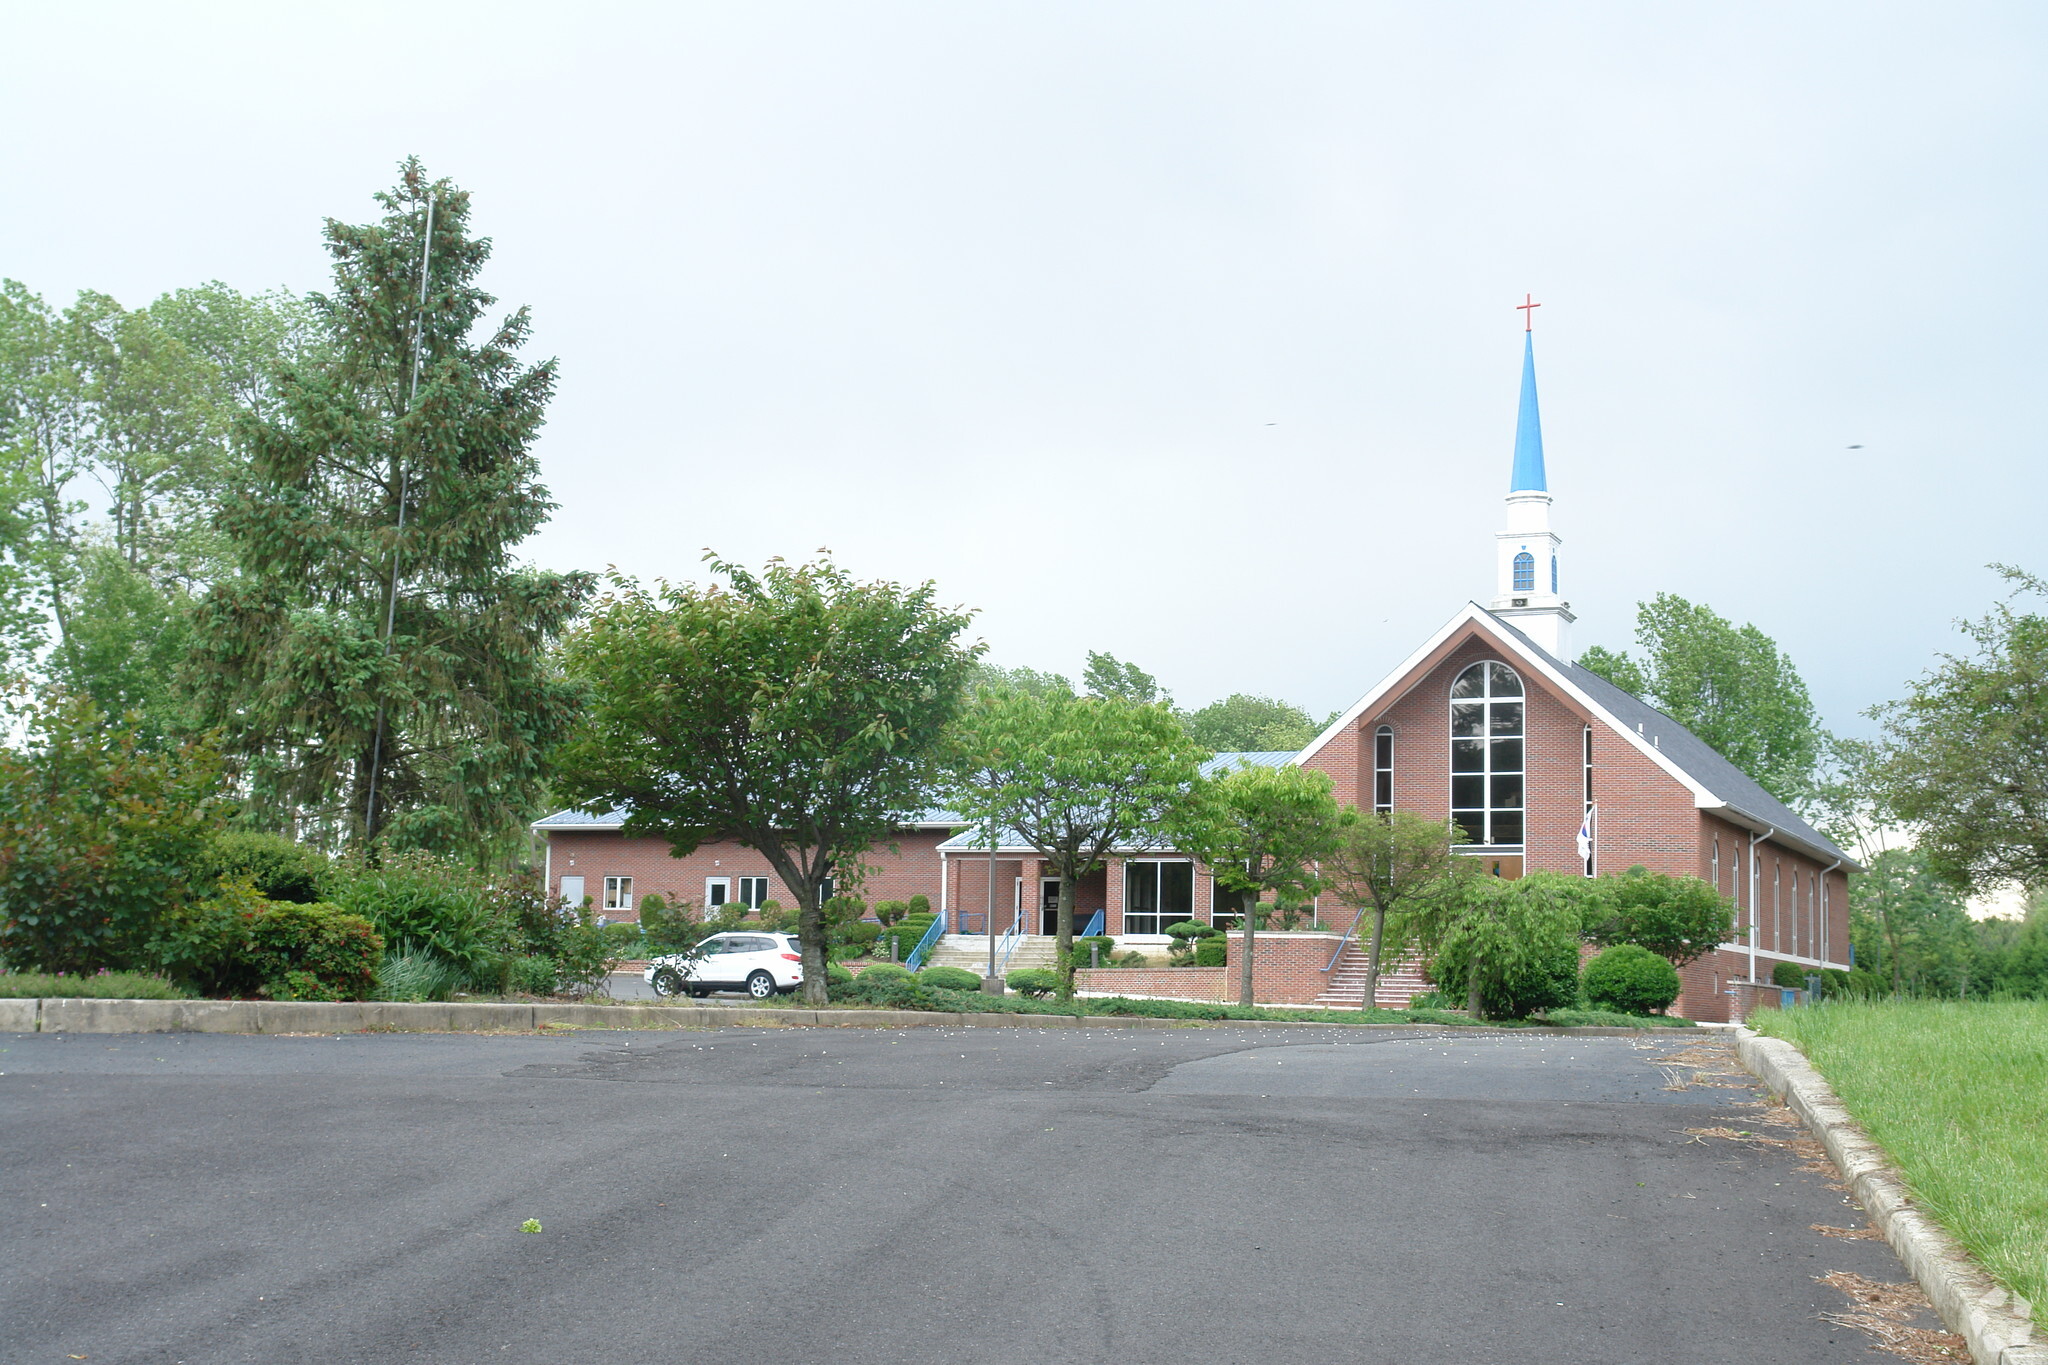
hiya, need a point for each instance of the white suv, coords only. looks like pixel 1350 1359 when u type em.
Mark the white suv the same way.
pixel 762 965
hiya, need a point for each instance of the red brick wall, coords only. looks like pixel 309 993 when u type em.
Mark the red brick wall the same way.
pixel 912 868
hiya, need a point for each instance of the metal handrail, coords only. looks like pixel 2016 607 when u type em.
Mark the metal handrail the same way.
pixel 1094 925
pixel 932 935
pixel 1340 944
pixel 1007 945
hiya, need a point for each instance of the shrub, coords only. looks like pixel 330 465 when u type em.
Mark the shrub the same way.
pixel 314 952
pixel 531 974
pixel 1089 951
pixel 888 912
pixel 1036 982
pixel 950 979
pixel 100 838
pixel 666 928
pixel 1631 979
pixel 279 868
pixel 776 920
pixel 102 986
pixel 1212 952
pixel 919 904
pixel 1129 959
pixel 843 909
pixel 411 975
pixel 435 905
pixel 584 956
pixel 1789 974
pixel 836 975
pixel 1192 929
pixel 860 936
pixel 886 971
pixel 1547 978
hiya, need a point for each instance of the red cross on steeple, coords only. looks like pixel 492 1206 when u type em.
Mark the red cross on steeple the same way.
pixel 1526 308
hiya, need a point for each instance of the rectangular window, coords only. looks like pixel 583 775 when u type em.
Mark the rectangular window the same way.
pixel 1156 895
pixel 1383 770
pixel 618 893
pixel 753 891
pixel 1588 794
pixel 717 891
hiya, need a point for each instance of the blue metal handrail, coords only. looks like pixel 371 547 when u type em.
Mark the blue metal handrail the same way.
pixel 1007 944
pixel 1342 941
pixel 925 944
pixel 1094 925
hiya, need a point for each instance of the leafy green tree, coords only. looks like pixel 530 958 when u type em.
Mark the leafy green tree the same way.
pixel 1396 867
pixel 378 662
pixel 1510 945
pixel 101 839
pixel 2012 954
pixel 1074 777
pixel 1729 685
pixel 1964 766
pixel 1242 722
pixel 1108 676
pixel 1261 831
pixel 1677 918
pixel 797 711
pixel 43 432
pixel 987 675
pixel 1909 927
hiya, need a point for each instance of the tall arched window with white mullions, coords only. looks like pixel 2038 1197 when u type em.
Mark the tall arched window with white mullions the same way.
pixel 1383 769
pixel 1486 754
pixel 1525 572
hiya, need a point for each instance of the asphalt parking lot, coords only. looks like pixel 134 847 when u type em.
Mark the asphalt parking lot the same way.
pixel 913 1195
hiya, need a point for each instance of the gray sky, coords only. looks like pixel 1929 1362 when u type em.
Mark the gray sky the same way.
pixel 1180 330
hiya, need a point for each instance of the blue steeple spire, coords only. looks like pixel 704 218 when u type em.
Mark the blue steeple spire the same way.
pixel 1528 475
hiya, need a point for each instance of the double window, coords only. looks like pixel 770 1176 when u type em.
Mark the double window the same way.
pixel 618 893
pixel 1487 727
pixel 1156 895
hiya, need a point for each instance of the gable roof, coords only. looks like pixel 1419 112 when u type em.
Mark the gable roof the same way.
pixel 1716 784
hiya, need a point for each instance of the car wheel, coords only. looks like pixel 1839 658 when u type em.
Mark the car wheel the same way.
pixel 669 982
pixel 761 986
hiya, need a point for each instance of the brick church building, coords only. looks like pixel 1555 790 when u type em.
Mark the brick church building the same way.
pixel 1543 764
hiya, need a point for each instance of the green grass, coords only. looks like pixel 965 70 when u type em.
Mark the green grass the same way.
pixel 109 986
pixel 1957 1094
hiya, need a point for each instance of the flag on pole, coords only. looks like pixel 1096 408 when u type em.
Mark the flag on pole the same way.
pixel 1586 835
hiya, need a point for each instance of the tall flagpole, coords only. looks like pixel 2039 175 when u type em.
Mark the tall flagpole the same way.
pixel 419 326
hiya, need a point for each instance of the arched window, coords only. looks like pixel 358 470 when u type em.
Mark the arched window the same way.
pixel 1525 572
pixel 1486 754
pixel 1383 769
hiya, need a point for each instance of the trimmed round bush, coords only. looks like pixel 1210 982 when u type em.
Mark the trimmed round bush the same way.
pixel 314 952
pixel 1789 974
pixel 1631 979
pixel 836 975
pixel 1212 952
pixel 1082 945
pixel 1033 981
pixel 950 978
pixel 281 869
pixel 1192 929
pixel 885 971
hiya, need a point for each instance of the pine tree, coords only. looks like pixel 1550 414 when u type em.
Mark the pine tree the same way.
pixel 423 718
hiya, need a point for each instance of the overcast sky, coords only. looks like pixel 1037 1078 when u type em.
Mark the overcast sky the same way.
pixel 1180 330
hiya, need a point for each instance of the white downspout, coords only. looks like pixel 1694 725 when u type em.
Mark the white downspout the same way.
pixel 547 868
pixel 1754 884
pixel 945 884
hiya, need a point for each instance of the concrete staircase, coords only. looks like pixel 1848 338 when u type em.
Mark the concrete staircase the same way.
pixel 1400 980
pixel 971 951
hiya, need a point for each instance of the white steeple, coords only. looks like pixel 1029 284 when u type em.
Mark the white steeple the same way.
pixel 1525 575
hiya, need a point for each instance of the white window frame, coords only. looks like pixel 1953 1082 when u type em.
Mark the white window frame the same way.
pixel 618 893
pixel 751 891
pixel 717 892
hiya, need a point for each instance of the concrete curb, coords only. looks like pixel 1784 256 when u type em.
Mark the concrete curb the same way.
pixel 71 1015
pixel 1997 1324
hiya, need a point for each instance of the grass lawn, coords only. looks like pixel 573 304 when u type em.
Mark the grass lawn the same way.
pixel 1958 1095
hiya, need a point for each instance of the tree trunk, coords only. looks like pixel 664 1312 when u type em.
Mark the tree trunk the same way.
pixel 1372 959
pixel 810 931
pixel 1248 904
pixel 1475 1000
pixel 1063 946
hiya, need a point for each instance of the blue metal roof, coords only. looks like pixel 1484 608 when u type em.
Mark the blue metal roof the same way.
pixel 1258 758
pixel 1528 475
